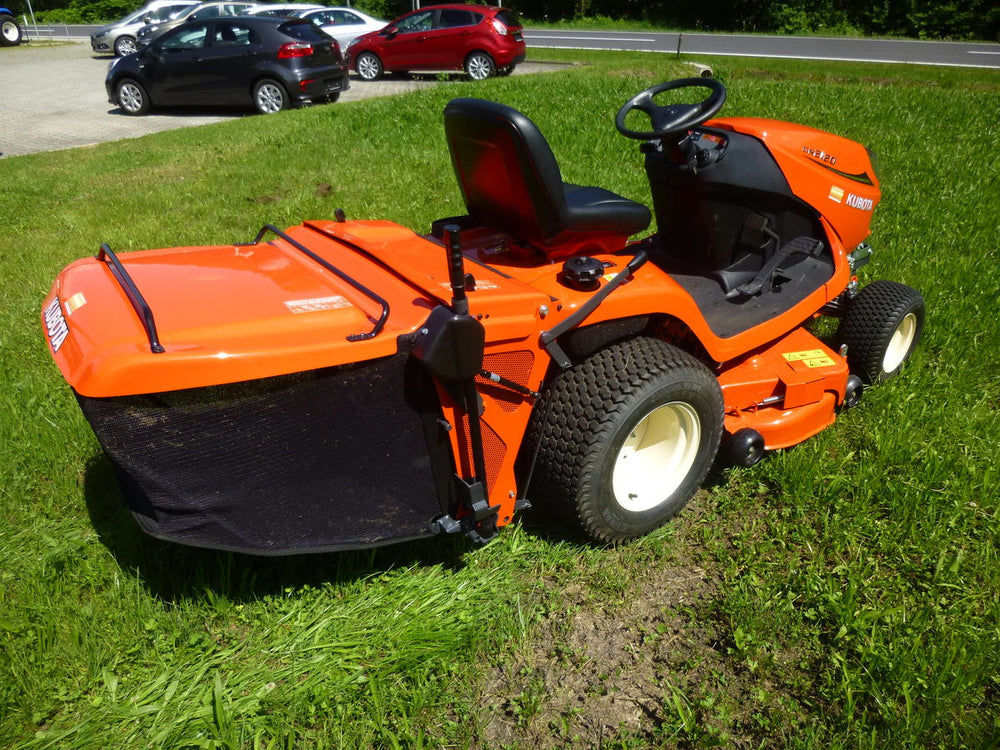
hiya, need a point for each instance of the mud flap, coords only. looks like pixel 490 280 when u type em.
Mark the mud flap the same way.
pixel 327 460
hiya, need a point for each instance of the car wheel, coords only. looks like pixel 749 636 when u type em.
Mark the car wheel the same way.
pixel 369 67
pixel 269 97
pixel 132 97
pixel 625 438
pixel 125 45
pixel 881 328
pixel 479 66
pixel 10 31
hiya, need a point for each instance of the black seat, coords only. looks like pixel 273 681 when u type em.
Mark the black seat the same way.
pixel 510 181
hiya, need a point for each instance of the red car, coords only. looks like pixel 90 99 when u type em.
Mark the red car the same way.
pixel 481 40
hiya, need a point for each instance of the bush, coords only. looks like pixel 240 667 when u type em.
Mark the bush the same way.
pixel 387 9
pixel 87 11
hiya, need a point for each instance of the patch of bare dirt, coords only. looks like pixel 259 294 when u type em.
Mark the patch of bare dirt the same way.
pixel 643 670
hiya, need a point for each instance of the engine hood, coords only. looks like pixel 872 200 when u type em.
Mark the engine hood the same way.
pixel 834 175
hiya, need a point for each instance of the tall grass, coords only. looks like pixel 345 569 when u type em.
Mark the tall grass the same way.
pixel 843 593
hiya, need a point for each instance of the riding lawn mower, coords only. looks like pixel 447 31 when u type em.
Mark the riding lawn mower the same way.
pixel 346 384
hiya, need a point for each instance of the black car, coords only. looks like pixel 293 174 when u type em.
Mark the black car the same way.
pixel 271 63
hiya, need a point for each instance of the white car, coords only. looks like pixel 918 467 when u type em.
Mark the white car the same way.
pixel 274 10
pixel 343 24
pixel 119 37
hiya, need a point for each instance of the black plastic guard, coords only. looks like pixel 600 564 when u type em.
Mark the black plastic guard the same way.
pixel 326 460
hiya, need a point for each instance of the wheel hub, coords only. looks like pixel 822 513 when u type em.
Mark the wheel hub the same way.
pixel 656 456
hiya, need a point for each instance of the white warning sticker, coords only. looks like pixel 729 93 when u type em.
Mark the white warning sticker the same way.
pixel 299 306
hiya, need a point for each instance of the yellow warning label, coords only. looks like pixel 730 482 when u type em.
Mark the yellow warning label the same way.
pixel 75 302
pixel 811 354
pixel 810 358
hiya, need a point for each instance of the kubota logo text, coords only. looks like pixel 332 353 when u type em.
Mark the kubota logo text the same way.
pixel 856 201
pixel 55 325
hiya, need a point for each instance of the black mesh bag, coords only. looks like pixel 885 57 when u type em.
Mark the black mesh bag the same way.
pixel 332 459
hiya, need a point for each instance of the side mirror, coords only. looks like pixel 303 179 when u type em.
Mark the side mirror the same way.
pixel 389 32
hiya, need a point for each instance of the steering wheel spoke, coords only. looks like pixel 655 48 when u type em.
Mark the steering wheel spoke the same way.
pixel 671 119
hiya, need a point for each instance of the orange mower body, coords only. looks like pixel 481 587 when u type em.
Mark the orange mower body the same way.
pixel 344 384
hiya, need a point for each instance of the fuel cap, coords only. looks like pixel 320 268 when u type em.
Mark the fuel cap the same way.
pixel 582 272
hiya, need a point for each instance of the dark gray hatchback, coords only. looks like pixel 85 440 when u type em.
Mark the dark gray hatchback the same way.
pixel 269 63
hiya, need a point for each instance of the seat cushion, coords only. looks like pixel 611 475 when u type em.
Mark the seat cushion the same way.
pixel 596 209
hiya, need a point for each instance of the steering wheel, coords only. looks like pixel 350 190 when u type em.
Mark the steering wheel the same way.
pixel 671 119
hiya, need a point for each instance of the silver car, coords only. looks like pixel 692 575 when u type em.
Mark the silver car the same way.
pixel 151 31
pixel 119 37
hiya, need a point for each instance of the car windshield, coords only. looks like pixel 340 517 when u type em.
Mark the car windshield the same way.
pixel 133 17
pixel 167 11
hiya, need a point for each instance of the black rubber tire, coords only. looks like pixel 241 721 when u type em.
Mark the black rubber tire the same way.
pixel 269 97
pixel 881 328
pixel 854 392
pixel 11 34
pixel 369 67
pixel 745 447
pixel 590 412
pixel 132 97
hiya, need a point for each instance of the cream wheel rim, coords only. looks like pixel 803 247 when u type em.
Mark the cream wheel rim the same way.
pixel 900 343
pixel 657 455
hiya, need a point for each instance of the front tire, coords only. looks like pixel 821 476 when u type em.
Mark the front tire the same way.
pixel 10 31
pixel 132 97
pixel 626 438
pixel 369 67
pixel 269 97
pixel 881 329
pixel 125 45
pixel 479 66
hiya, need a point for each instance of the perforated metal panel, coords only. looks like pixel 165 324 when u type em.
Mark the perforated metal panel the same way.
pixel 515 366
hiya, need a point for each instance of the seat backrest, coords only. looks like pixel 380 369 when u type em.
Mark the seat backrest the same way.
pixel 507 173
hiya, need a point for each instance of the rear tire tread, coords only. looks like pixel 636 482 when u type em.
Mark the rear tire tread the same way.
pixel 584 404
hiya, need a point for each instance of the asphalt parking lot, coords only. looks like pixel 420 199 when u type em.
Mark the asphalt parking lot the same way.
pixel 54 98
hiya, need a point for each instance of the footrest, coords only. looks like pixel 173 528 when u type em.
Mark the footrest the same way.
pixel 798 246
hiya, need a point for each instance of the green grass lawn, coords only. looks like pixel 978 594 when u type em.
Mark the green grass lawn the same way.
pixel 843 593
